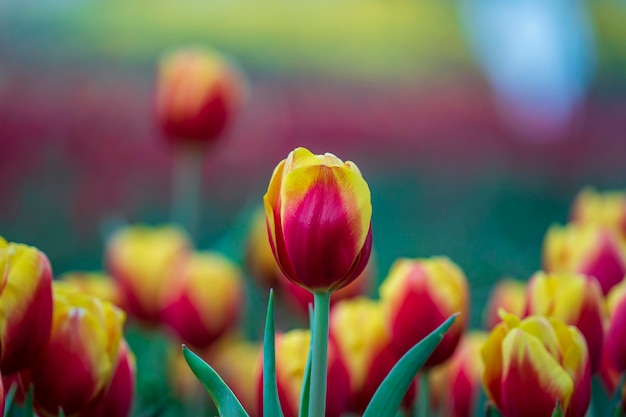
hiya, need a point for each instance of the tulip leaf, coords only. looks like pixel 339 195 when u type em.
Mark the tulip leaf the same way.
pixel 8 400
pixel 615 406
pixel 558 410
pixel 223 397
pixel 491 410
pixel 61 413
pixel 271 403
pixel 388 396
pixel 306 381
pixel 28 404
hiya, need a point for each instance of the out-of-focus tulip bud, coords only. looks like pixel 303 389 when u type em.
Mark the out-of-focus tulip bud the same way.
pixel 359 329
pixel 117 399
pixel 80 357
pixel 532 363
pixel 508 295
pixel 291 356
pixel 573 298
pixel 418 295
pixel 615 344
pixel 458 380
pixel 25 305
pixel 607 209
pixel 198 93
pixel 206 300
pixel 318 213
pixel 300 298
pixel 96 284
pixel 142 259
pixel 259 258
pixel 585 249
pixel 237 361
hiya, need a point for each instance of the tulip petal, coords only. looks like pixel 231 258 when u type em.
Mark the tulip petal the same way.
pixel 491 354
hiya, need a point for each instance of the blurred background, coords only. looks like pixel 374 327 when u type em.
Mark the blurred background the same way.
pixel 474 123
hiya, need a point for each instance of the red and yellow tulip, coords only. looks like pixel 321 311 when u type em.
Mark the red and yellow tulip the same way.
pixel 606 209
pixel 530 364
pixel 573 298
pixel 25 305
pixel 291 356
pixel 79 359
pixel 615 344
pixel 206 300
pixel 143 261
pixel 586 249
pixel 96 284
pixel 418 295
pixel 197 94
pixel 508 295
pixel 318 213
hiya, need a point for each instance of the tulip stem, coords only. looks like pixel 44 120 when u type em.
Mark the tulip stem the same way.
pixel 319 360
pixel 421 394
pixel 187 186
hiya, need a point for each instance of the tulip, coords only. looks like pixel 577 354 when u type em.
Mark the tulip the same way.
pixel 197 94
pixel 585 249
pixel 259 258
pixel 291 356
pixel 206 300
pixel 458 380
pixel 573 298
pixel 96 284
pixel 359 329
pixel 418 295
pixel 142 260
pixel 117 399
pixel 616 336
pixel 532 363
pixel 25 305
pixel 318 213
pixel 508 295
pixel 607 209
pixel 79 359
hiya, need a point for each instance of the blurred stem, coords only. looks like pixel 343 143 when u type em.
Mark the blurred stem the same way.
pixel 421 392
pixel 319 334
pixel 187 186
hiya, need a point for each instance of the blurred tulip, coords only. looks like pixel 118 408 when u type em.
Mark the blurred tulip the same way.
pixel 96 284
pixel 532 363
pixel 197 94
pixel 117 399
pixel 573 298
pixel 420 294
pixel 458 380
pixel 142 259
pixel 585 249
pixel 292 349
pixel 182 381
pixel 237 361
pixel 79 359
pixel 206 300
pixel 616 335
pixel 259 258
pixel 25 305
pixel 610 377
pixel 359 329
pixel 508 295
pixel 607 209
pixel 318 213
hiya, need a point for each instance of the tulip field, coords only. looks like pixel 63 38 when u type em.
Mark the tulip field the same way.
pixel 312 210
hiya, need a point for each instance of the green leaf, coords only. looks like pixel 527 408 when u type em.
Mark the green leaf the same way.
pixel 227 403
pixel 388 396
pixel 61 413
pixel 306 381
pixel 558 410
pixel 28 404
pixel 491 410
pixel 271 403
pixel 8 400
pixel 615 406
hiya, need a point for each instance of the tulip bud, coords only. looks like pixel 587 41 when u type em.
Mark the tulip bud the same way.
pixel 291 356
pixel 359 329
pixel 607 209
pixel 318 213
pixel 530 364
pixel 615 344
pixel 142 260
pixel 206 300
pixel 573 298
pixel 198 93
pixel 95 284
pixel 585 249
pixel 78 361
pixel 259 257
pixel 418 295
pixel 25 305
pixel 508 295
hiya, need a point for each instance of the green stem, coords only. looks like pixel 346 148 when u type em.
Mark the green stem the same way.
pixel 319 333
pixel 421 393
pixel 187 186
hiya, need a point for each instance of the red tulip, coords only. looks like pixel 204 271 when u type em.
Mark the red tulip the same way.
pixel 615 344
